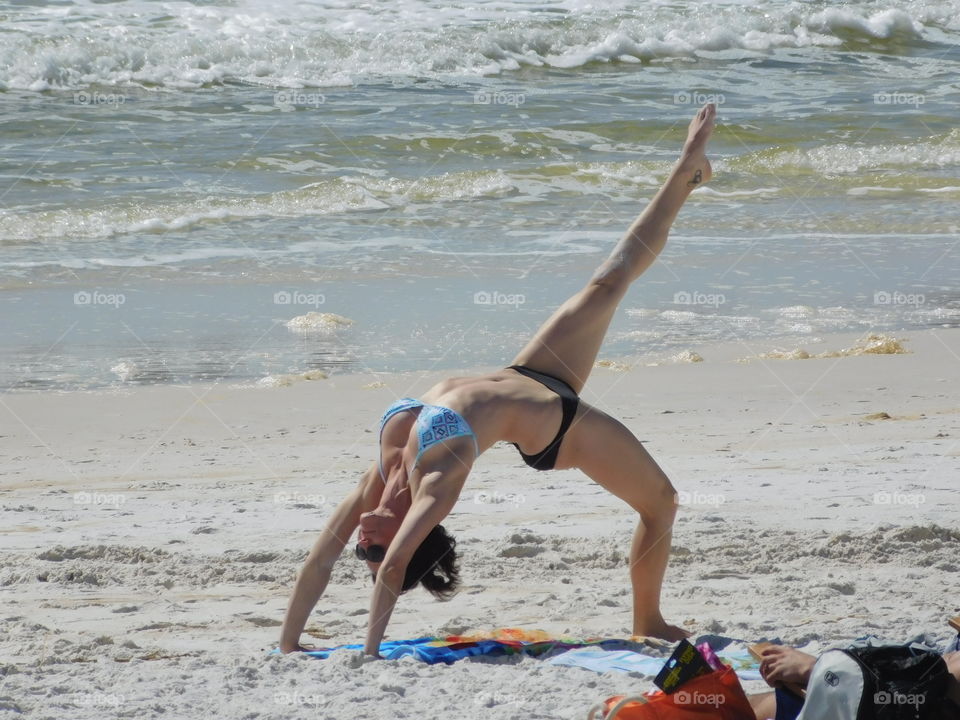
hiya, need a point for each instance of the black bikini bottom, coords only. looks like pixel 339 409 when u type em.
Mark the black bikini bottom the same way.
pixel 547 458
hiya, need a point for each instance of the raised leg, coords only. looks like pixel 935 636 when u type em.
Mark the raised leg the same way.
pixel 567 344
pixel 612 456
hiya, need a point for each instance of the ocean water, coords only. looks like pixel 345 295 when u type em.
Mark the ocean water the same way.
pixel 197 191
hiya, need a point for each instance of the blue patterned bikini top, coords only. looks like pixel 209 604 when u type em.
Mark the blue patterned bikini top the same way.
pixel 435 424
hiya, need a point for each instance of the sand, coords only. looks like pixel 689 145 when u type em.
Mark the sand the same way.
pixel 151 534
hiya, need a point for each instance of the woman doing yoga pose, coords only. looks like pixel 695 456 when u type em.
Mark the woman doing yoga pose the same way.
pixel 428 445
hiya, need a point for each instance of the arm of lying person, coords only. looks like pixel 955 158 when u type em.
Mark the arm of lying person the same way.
pixel 952 659
pixel 782 665
pixel 438 493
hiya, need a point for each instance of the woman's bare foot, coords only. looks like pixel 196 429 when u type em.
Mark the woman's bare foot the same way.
pixel 660 628
pixel 693 157
pixel 782 664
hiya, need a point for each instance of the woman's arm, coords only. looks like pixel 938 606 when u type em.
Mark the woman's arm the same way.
pixel 313 578
pixel 439 489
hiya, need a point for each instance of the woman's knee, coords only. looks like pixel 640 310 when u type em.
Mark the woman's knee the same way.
pixel 613 277
pixel 660 503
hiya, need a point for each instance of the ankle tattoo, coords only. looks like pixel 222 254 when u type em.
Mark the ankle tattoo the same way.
pixel 697 178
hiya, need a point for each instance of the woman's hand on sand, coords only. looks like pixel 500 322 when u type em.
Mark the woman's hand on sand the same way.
pixel 286 649
pixel 782 664
pixel 362 657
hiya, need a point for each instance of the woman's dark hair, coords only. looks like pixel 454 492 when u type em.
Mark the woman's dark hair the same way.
pixel 434 565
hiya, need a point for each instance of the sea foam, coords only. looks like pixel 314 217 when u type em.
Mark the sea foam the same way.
pixel 296 45
pixel 318 323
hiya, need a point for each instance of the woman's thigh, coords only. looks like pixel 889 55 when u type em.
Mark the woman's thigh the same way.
pixel 567 344
pixel 612 456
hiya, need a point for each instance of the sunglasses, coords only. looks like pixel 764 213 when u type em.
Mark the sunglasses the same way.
pixel 374 553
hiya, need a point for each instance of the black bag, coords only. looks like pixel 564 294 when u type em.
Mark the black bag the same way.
pixel 893 682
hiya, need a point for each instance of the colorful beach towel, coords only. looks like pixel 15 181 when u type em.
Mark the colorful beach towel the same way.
pixel 506 641
pixel 596 654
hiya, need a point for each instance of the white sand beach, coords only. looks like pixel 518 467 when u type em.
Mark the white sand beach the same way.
pixel 151 535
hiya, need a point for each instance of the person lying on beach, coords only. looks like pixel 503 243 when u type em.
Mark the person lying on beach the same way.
pixel 428 445
pixel 781 664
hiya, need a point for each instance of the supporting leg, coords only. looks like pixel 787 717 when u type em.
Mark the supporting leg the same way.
pixel 612 456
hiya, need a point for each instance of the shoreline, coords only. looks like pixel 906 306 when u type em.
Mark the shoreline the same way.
pixel 742 350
